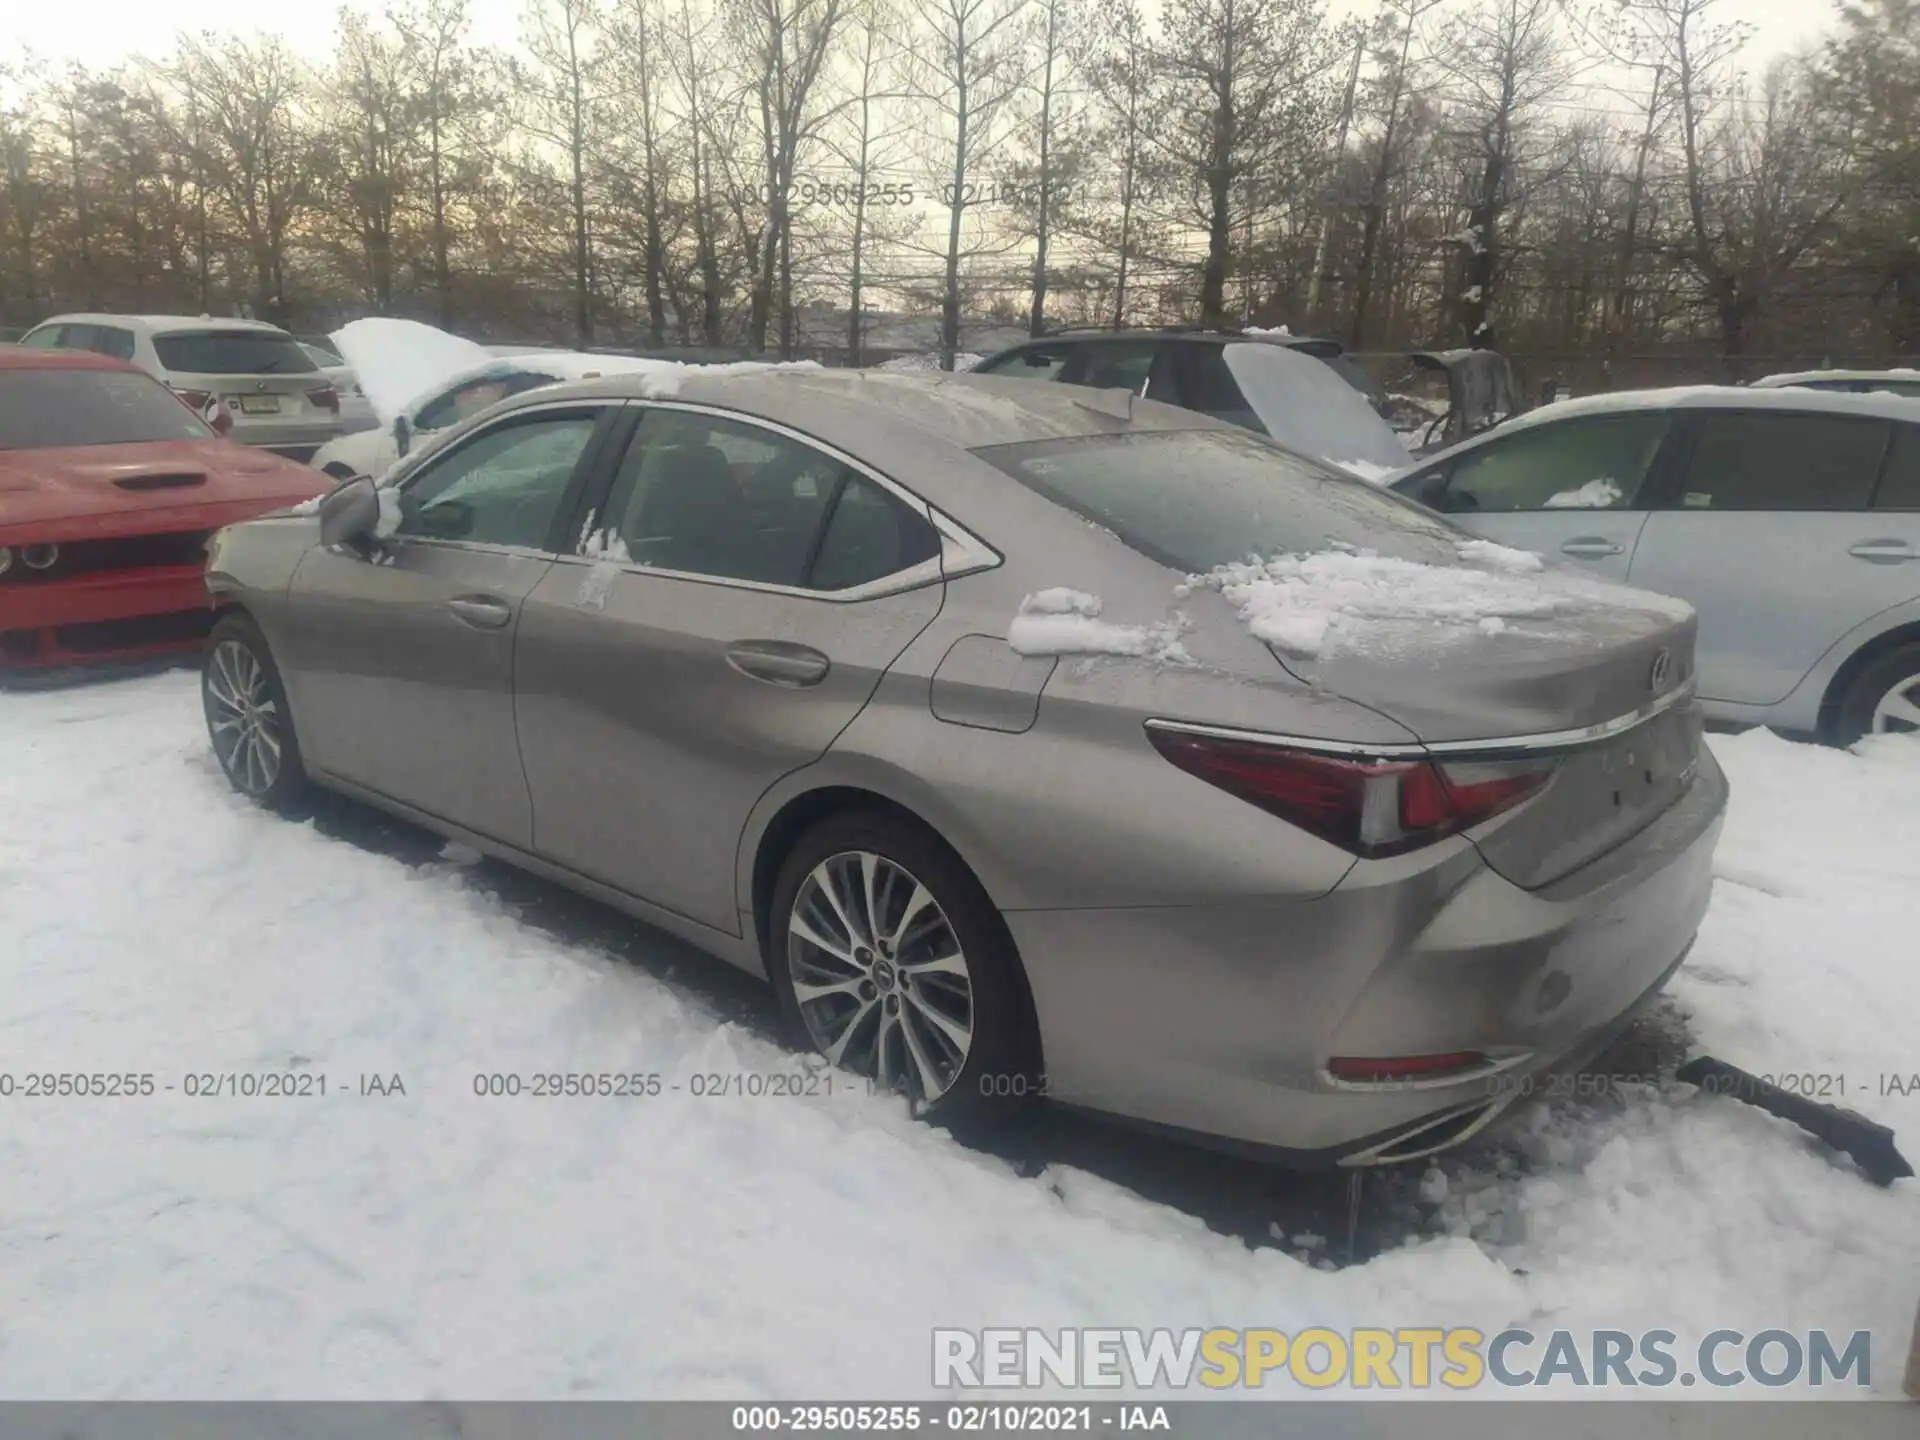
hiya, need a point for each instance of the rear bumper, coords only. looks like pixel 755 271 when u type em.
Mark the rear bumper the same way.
pixel 1219 1020
pixel 103 616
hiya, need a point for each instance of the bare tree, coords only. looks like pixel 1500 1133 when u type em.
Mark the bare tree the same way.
pixel 1242 104
pixel 786 43
pixel 261 156
pixel 969 65
pixel 1116 55
pixel 1503 59
pixel 559 82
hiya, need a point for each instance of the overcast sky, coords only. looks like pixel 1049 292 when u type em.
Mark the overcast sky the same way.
pixel 98 32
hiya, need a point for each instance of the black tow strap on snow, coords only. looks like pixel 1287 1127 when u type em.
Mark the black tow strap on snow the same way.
pixel 1870 1144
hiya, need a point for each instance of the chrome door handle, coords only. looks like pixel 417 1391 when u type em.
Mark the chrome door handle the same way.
pixel 778 662
pixel 1590 547
pixel 1883 552
pixel 482 611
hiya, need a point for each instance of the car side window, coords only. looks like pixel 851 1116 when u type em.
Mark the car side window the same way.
pixel 112 340
pixel 869 536
pixel 1596 463
pixel 47 337
pixel 79 337
pixel 1111 365
pixel 708 496
pixel 474 396
pixel 1206 384
pixel 1759 460
pixel 1900 480
pixel 1035 362
pixel 503 486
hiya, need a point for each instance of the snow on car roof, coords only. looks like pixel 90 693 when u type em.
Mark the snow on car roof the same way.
pixel 1814 377
pixel 1711 397
pixel 847 407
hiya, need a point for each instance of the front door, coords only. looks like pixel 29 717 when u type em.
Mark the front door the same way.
pixel 1781 532
pixel 725 620
pixel 1573 490
pixel 401 662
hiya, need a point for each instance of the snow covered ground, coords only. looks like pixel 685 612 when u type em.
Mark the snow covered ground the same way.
pixel 440 1243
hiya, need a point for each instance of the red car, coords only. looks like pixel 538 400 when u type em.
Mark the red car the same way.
pixel 109 488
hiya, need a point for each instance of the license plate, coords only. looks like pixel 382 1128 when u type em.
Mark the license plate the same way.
pixel 259 404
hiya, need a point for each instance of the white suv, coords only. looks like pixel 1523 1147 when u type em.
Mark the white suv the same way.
pixel 278 398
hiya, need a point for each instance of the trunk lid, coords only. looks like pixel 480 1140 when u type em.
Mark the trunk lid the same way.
pixel 1602 684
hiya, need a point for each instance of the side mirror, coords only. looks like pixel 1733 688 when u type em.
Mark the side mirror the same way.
pixel 402 434
pixel 349 513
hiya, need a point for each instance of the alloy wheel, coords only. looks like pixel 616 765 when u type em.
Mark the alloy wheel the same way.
pixel 242 717
pixel 1898 711
pixel 879 974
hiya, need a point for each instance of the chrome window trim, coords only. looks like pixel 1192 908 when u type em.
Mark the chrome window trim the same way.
pixel 961 551
pixel 1548 740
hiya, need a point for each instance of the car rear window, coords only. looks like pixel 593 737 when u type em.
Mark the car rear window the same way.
pixel 40 409
pixel 1194 499
pixel 232 352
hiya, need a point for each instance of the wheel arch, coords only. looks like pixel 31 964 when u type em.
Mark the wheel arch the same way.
pixel 790 816
pixel 1864 655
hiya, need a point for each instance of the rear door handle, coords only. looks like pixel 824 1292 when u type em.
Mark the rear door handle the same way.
pixel 778 663
pixel 481 611
pixel 1883 552
pixel 1590 547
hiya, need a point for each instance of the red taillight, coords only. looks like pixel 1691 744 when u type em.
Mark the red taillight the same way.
pixel 1385 1069
pixel 1369 807
pixel 326 397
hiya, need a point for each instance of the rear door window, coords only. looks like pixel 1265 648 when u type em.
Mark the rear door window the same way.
pixel 1112 365
pixel 1900 481
pixel 1761 461
pixel 232 352
pixel 1034 362
pixel 1598 463
pixel 112 340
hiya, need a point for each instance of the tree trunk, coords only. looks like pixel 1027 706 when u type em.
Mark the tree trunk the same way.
pixel 950 289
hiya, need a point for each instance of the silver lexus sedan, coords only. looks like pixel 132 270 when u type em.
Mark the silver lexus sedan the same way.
pixel 1027 739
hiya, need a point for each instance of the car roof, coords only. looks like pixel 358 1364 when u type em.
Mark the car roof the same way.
pixel 1717 397
pixel 1277 335
pixel 162 324
pixel 20 357
pixel 1814 377
pixel 871 413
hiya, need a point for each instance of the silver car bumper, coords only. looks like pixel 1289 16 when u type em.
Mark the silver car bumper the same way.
pixel 1219 1020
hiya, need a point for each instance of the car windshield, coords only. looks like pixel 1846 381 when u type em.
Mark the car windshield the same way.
pixel 41 409
pixel 232 352
pixel 1194 499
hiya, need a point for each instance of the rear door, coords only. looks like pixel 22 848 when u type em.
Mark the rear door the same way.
pixel 1574 490
pixel 733 602
pixel 1769 528
pixel 401 664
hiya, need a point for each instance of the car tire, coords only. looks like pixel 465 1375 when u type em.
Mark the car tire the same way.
pixel 1881 681
pixel 897 988
pixel 249 722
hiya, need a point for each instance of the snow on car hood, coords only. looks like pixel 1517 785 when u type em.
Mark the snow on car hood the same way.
pixel 1309 407
pixel 398 361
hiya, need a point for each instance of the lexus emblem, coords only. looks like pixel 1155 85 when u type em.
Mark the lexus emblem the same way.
pixel 260 385
pixel 1661 673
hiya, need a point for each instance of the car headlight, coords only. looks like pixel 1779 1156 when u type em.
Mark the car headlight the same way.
pixel 39 557
pixel 6 559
